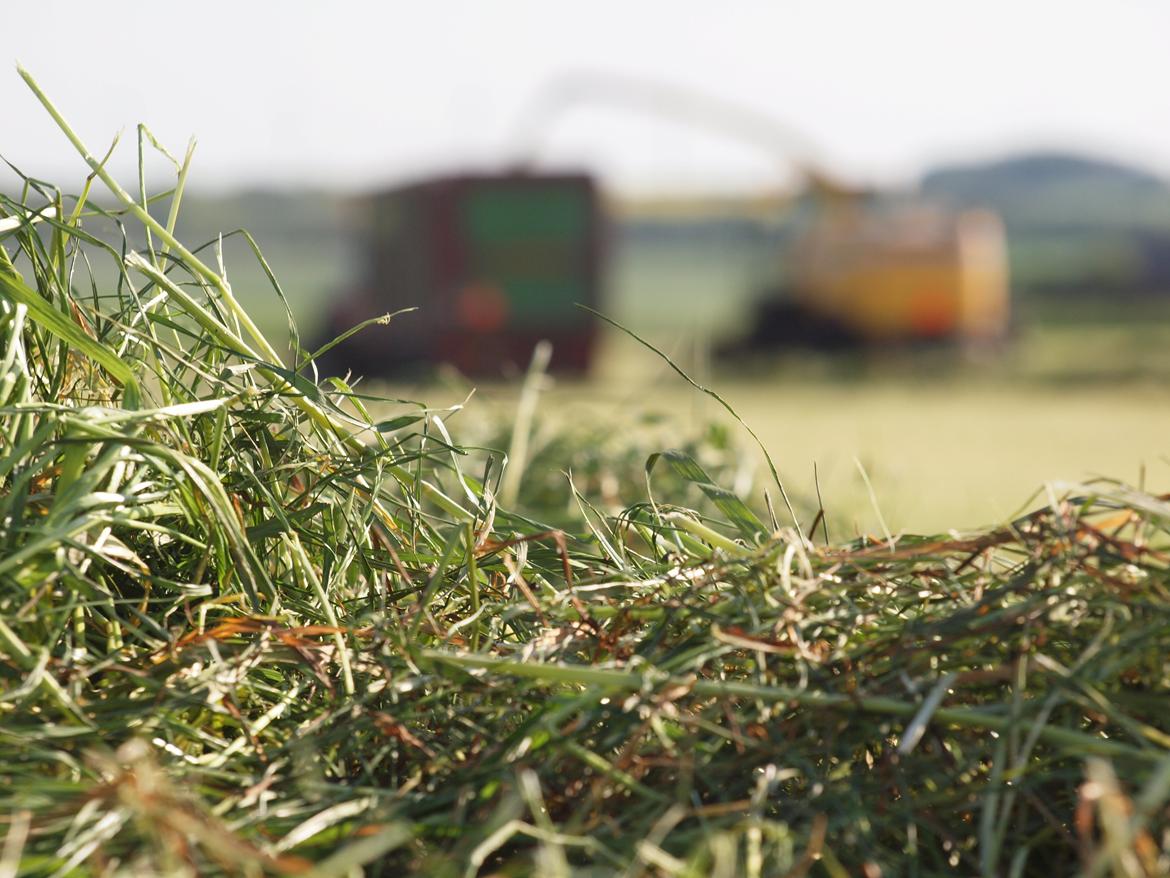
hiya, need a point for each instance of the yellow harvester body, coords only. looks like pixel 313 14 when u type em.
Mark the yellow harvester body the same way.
pixel 911 274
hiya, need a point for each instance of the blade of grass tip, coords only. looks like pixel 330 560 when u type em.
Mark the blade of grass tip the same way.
pixel 293 542
pixel 772 520
pixel 177 196
pixel 821 504
pixel 142 189
pixel 522 427
pixel 82 200
pixel 715 396
pixel 874 502
pixel 157 144
pixel 596 527
pixel 380 320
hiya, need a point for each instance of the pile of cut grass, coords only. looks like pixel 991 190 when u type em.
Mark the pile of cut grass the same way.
pixel 247 628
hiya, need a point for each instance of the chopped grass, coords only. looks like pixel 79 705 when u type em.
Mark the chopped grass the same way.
pixel 247 628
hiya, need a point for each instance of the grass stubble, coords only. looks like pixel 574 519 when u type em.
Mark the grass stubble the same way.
pixel 248 625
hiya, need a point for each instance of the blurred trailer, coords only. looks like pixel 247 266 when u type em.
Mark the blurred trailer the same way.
pixel 494 263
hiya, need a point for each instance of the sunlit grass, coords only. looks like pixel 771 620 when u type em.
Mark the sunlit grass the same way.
pixel 252 622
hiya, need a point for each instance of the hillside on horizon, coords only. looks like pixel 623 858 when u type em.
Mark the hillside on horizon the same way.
pixel 1056 189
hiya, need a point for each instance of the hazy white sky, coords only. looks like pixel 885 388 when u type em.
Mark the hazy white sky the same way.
pixel 356 93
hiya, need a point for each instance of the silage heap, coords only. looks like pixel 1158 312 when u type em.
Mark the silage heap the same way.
pixel 247 627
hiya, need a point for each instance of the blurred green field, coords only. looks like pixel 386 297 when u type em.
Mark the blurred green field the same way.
pixel 940 453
